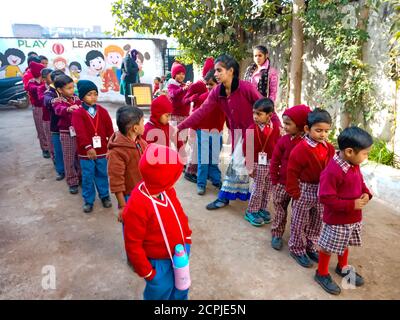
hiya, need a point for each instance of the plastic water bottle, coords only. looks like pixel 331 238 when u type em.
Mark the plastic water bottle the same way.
pixel 181 268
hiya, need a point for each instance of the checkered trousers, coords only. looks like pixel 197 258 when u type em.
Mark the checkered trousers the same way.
pixel 306 222
pixel 336 238
pixel 281 200
pixel 37 118
pixel 71 164
pixel 47 133
pixel 262 188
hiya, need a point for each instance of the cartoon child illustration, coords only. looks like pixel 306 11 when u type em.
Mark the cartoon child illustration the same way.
pixel 60 64
pixel 114 55
pixel 140 60
pixel 95 62
pixel 75 69
pixel 14 58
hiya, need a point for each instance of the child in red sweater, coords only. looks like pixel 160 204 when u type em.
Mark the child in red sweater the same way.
pixel 265 132
pixel 152 207
pixel 63 107
pixel 33 86
pixel 343 193
pixel 306 162
pixel 158 129
pixel 93 127
pixel 294 120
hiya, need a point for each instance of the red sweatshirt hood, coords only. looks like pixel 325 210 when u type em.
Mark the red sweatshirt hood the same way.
pixel 160 167
pixel 159 106
pixel 298 114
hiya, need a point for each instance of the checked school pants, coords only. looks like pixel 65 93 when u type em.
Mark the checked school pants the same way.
pixel 262 187
pixel 281 200
pixel 306 221
pixel 37 118
pixel 71 164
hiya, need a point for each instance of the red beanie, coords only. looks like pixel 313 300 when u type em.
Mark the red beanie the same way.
pixel 36 68
pixel 298 114
pixel 208 65
pixel 160 167
pixel 177 68
pixel 160 105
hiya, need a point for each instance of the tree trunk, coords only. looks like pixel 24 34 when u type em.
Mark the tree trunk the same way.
pixel 296 59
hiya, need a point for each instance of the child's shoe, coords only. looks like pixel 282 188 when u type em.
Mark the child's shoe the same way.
pixel 74 189
pixel 201 190
pixel 314 256
pixel 60 176
pixel 191 177
pixel 46 154
pixel 218 185
pixel 106 202
pixel 254 218
pixel 359 281
pixel 302 260
pixel 217 204
pixel 265 215
pixel 327 283
pixel 87 208
pixel 276 243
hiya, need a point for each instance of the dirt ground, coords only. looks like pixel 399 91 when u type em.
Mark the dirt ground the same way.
pixel 42 224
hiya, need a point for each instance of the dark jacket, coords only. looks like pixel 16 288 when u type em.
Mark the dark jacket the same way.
pixel 130 70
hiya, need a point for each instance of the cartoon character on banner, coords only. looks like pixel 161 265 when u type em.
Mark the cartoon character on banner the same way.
pixel 2 66
pixel 12 59
pixel 140 60
pixel 95 62
pixel 60 64
pixel 113 55
pixel 75 69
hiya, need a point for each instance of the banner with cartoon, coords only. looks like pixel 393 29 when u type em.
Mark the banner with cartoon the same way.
pixel 97 60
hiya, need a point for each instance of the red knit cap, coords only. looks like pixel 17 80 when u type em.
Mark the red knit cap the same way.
pixel 36 68
pixel 177 68
pixel 159 106
pixel 160 167
pixel 208 65
pixel 298 114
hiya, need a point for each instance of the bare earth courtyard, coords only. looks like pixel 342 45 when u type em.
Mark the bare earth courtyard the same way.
pixel 42 224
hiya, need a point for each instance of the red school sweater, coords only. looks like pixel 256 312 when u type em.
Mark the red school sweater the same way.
pixel 60 106
pixel 142 232
pixel 280 158
pixel 32 88
pixel 338 190
pixel 177 94
pixel 85 124
pixel 306 164
pixel 41 90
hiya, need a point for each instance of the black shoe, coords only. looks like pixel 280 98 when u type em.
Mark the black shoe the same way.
pixel 218 185
pixel 327 283
pixel 46 154
pixel 74 189
pixel 106 202
pixel 349 270
pixel 87 208
pixel 60 177
pixel 302 260
pixel 217 204
pixel 191 177
pixel 314 256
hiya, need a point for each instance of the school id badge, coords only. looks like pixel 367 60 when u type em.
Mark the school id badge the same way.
pixel 96 142
pixel 262 158
pixel 72 132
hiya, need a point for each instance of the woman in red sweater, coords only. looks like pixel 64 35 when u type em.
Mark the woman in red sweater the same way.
pixel 294 120
pixel 343 193
pixel 306 162
pixel 149 252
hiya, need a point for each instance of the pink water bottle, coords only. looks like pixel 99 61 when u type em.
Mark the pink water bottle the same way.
pixel 181 268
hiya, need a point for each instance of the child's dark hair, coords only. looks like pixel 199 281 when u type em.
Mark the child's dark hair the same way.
pixel 43 58
pixel 45 72
pixel 15 52
pixel 210 76
pixel 55 74
pixel 62 80
pixel 318 115
pixel 30 53
pixel 91 55
pixel 263 49
pixel 34 59
pixel 229 62
pixel 157 78
pixel 265 105
pixel 354 138
pixel 127 117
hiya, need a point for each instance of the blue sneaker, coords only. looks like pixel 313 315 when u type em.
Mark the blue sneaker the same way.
pixel 254 218
pixel 276 243
pixel 265 215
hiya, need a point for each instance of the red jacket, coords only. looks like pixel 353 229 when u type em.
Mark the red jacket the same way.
pixel 41 90
pixel 338 191
pixel 60 106
pixel 280 158
pixel 193 94
pixel 142 232
pixel 306 164
pixel 266 138
pixel 26 78
pixel 32 88
pixel 177 94
pixel 85 125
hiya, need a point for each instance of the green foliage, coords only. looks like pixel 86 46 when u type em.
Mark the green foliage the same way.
pixel 394 52
pixel 381 154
